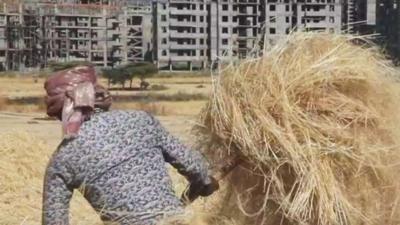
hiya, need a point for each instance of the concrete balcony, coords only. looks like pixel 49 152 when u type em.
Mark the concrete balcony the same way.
pixel 187 46
pixel 177 23
pixel 175 58
pixel 246 2
pixel 314 2
pixel 321 24
pixel 175 34
pixel 321 13
pixel 175 11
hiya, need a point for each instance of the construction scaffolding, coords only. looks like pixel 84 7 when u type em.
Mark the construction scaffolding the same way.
pixel 33 34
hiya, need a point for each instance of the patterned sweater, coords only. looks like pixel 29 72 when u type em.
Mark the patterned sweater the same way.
pixel 118 163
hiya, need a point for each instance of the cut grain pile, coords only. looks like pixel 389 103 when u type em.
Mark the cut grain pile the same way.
pixel 23 160
pixel 316 120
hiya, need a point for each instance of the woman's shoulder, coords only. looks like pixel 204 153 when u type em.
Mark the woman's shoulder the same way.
pixel 124 116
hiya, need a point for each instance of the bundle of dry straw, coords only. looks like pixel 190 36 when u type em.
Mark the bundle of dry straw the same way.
pixel 316 121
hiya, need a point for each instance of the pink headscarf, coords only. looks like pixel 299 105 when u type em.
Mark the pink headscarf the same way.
pixel 72 95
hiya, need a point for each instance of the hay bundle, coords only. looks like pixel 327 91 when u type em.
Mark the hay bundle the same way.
pixel 316 120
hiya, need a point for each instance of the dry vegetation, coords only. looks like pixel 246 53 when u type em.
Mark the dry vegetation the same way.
pixel 316 121
pixel 181 95
pixel 23 159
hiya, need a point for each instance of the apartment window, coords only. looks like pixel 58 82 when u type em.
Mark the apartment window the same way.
pixel 303 8
pixel 201 18
pixel 287 30
pixel 287 19
pixel 163 18
pixel 202 30
pixel 272 19
pixel 194 6
pixel 193 29
pixel 225 19
pixel 164 41
pixel 331 19
pixel 287 8
pixel 194 18
pixel 331 8
pixel 234 7
pixel 272 30
pixel 201 7
pixel 235 19
pixel 202 41
pixel 272 7
pixel 234 30
pixel 164 6
pixel 225 30
pixel 225 7
pixel 164 29
pixel 164 53
pixel 225 41
pixel 201 53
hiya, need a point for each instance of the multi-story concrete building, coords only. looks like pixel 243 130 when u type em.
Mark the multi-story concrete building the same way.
pixel 182 33
pixel 104 33
pixel 175 34
pixel 283 16
pixel 235 27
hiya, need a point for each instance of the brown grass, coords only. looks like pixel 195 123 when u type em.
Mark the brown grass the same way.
pixel 23 159
pixel 316 121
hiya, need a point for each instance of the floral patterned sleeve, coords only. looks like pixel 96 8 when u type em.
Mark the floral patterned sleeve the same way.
pixel 188 162
pixel 57 193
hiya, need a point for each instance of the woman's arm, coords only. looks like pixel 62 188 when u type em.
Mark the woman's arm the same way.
pixel 188 162
pixel 57 193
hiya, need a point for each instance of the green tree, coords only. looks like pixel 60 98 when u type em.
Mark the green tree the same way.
pixel 58 66
pixel 142 69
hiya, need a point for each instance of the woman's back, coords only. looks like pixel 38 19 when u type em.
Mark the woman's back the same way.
pixel 118 162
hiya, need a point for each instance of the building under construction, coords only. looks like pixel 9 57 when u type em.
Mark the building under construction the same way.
pixel 105 33
pixel 175 34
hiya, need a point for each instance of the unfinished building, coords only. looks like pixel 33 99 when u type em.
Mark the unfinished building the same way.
pixel 105 33
pixel 283 16
pixel 176 34
pixel 235 27
pixel 19 39
pixel 182 33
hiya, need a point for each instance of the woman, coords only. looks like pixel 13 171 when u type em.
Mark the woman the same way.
pixel 116 158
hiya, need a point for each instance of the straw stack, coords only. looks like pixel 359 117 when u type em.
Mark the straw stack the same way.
pixel 316 121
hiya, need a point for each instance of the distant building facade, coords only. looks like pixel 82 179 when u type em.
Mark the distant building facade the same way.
pixel 106 34
pixel 174 34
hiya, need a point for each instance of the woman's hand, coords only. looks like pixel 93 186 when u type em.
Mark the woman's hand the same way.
pixel 194 190
pixel 210 188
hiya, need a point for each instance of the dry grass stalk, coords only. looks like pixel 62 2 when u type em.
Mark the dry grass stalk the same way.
pixel 23 159
pixel 316 119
